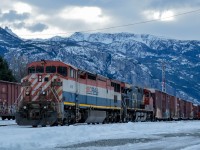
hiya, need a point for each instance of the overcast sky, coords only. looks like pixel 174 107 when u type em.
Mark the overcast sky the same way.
pixel 48 18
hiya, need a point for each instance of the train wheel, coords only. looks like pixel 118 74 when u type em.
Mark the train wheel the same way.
pixel 34 126
pixel 54 124
pixel 3 118
pixel 66 121
pixel 44 125
pixel 105 121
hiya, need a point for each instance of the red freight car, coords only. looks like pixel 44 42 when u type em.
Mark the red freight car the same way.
pixel 174 108
pixel 198 111
pixel 189 110
pixel 9 92
pixel 195 111
pixel 167 106
pixel 157 103
pixel 161 102
pixel 181 107
pixel 183 112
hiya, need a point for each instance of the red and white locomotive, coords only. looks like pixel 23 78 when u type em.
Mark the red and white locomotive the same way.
pixel 57 93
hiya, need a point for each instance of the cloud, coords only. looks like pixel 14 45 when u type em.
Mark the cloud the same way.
pixel 22 7
pixel 12 15
pixel 162 16
pixel 19 25
pixel 39 27
pixel 174 4
pixel 71 16
pixel 87 14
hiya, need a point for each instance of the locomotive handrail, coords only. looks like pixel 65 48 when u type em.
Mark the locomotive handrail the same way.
pixel 18 97
pixel 56 99
pixel 54 94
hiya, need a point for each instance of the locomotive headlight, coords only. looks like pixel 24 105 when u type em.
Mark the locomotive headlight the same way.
pixel 45 107
pixel 27 93
pixel 24 107
pixel 44 93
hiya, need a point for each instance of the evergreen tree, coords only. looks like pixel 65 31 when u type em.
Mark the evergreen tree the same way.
pixel 5 72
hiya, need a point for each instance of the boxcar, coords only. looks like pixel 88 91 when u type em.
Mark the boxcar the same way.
pixel 198 112
pixel 161 105
pixel 195 111
pixel 157 104
pixel 174 115
pixel 189 110
pixel 9 92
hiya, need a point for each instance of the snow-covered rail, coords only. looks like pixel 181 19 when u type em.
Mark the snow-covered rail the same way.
pixel 7 123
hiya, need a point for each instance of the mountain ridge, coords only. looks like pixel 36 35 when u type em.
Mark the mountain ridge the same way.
pixel 128 57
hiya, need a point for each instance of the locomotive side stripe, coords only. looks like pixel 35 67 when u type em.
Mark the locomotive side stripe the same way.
pixel 91 106
pixel 39 84
pixel 35 88
pixel 98 84
pixel 35 97
pixel 23 88
pixel 34 81
pixel 60 93
pixel 89 100
pixel 44 86
pixel 102 92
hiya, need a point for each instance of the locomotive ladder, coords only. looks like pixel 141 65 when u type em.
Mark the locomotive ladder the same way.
pixel 124 109
pixel 77 113
pixel 58 101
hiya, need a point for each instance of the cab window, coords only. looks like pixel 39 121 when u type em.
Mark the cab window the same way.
pixel 50 69
pixel 72 73
pixel 31 70
pixel 91 76
pixel 62 70
pixel 39 69
pixel 116 86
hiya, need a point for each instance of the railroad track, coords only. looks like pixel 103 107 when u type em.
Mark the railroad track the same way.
pixel 4 125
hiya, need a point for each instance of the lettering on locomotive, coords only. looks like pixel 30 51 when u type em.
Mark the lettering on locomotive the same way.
pixel 92 90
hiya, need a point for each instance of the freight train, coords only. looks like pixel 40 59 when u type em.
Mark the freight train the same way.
pixel 55 93
pixel 9 92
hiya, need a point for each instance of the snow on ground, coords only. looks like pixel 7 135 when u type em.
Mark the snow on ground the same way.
pixel 184 135
pixel 6 122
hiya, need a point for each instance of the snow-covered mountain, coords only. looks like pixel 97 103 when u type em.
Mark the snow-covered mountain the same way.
pixel 128 57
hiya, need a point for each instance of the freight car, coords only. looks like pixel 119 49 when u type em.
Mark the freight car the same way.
pixel 57 93
pixel 168 107
pixel 9 92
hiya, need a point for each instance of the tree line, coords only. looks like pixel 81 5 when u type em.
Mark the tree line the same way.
pixel 5 73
